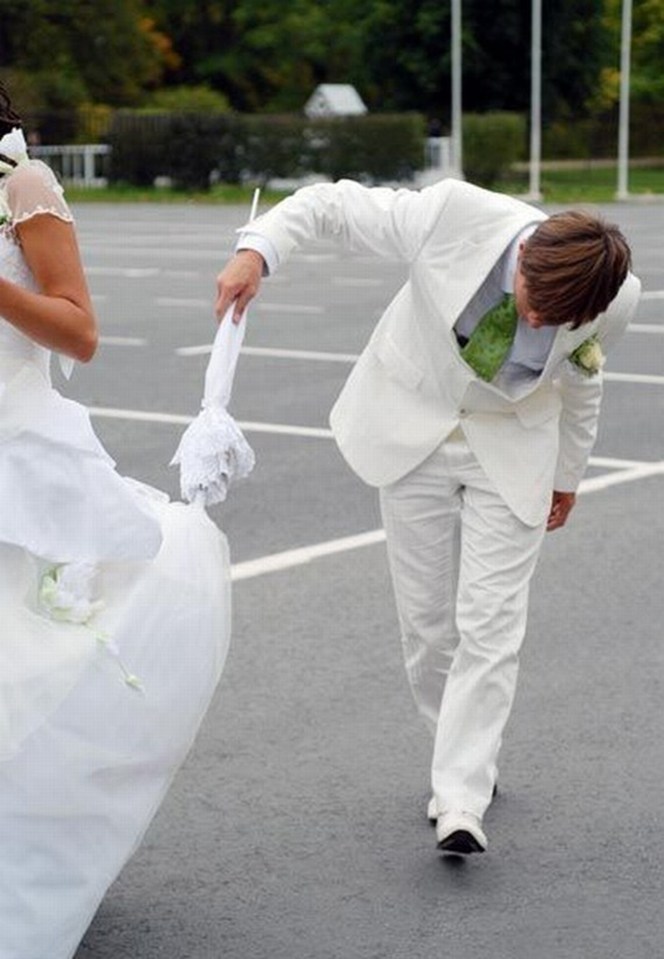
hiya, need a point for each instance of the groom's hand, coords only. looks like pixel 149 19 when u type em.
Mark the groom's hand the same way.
pixel 239 282
pixel 561 507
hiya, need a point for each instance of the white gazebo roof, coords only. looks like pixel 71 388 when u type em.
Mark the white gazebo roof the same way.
pixel 334 100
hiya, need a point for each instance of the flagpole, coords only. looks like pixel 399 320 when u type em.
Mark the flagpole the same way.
pixel 623 121
pixel 534 192
pixel 457 135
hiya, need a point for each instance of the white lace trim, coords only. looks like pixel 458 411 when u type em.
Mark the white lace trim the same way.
pixel 212 454
pixel 40 210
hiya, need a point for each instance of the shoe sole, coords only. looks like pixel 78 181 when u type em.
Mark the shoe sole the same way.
pixel 461 842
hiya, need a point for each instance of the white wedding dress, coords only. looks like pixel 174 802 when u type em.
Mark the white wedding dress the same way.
pixel 115 621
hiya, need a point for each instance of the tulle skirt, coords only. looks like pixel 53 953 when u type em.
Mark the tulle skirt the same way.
pixel 86 756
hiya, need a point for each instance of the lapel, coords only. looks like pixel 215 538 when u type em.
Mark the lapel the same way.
pixel 564 343
pixel 471 264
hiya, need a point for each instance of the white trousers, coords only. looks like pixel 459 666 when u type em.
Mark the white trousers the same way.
pixel 461 565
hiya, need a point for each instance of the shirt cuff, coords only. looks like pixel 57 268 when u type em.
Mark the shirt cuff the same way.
pixel 254 241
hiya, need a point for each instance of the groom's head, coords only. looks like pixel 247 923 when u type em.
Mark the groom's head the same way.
pixel 572 267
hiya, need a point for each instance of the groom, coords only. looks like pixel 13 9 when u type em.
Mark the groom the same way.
pixel 475 424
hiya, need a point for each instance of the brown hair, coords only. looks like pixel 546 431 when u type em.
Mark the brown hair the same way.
pixel 9 119
pixel 573 265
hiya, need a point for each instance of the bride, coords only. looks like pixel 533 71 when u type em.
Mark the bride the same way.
pixel 114 602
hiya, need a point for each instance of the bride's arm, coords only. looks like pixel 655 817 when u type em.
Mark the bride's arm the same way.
pixel 60 316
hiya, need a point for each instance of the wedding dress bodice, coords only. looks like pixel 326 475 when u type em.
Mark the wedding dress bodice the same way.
pixel 65 502
pixel 16 348
pixel 29 191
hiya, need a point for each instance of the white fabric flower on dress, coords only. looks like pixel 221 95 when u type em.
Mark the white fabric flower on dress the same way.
pixel 588 357
pixel 65 592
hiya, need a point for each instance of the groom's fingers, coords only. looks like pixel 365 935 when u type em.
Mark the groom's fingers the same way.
pixel 225 298
pixel 561 507
pixel 228 293
pixel 238 283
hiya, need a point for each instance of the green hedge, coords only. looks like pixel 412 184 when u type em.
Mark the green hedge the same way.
pixel 597 137
pixel 492 142
pixel 381 147
pixel 194 149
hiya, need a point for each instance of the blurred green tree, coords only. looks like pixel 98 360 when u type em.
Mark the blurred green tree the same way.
pixel 647 54
pixel 408 56
pixel 270 54
pixel 265 55
pixel 103 50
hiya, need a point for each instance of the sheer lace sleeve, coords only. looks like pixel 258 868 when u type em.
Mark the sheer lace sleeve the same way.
pixel 32 189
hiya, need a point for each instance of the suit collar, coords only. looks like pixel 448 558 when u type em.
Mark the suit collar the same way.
pixel 473 261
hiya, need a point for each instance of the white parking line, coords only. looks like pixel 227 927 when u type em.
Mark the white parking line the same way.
pixel 274 353
pixel 186 302
pixel 300 308
pixel 300 354
pixel 298 557
pixel 317 257
pixel 313 432
pixel 647 379
pixel 361 282
pixel 194 350
pixel 122 340
pixel 277 562
pixel 127 272
pixel 179 419
pixel 642 471
pixel 652 295
pixel 218 254
pixel 140 416
pixel 645 328
pixel 624 471
pixel 610 463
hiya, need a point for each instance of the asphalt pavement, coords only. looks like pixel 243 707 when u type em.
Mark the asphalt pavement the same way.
pixel 297 828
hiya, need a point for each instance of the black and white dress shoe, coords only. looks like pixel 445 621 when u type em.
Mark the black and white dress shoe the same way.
pixel 460 833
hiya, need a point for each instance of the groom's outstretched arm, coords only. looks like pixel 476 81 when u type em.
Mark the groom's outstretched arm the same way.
pixel 376 220
pixel 239 283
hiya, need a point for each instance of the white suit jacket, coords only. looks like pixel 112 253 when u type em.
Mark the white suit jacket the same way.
pixel 410 388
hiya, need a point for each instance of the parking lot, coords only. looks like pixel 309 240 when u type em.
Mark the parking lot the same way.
pixel 296 829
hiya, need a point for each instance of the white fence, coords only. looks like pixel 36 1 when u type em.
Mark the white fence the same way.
pixel 438 154
pixel 85 164
pixel 80 165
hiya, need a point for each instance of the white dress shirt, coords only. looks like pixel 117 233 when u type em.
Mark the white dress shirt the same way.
pixel 530 349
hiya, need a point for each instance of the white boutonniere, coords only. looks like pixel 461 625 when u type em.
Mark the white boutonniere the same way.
pixel 588 357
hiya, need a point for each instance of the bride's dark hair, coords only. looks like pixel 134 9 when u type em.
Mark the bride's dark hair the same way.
pixel 9 119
